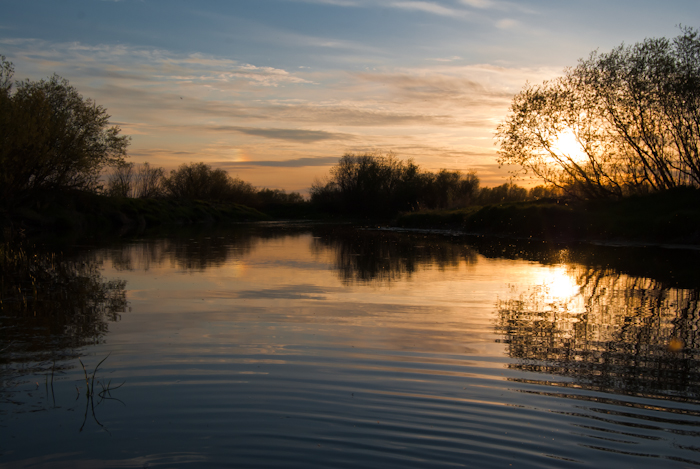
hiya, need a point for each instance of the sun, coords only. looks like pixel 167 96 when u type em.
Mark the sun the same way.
pixel 568 146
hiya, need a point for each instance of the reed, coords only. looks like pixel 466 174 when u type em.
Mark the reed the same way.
pixel 90 392
pixel 90 383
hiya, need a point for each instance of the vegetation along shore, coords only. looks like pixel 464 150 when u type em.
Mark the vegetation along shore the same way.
pixel 614 145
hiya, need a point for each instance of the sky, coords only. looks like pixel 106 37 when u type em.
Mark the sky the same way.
pixel 276 91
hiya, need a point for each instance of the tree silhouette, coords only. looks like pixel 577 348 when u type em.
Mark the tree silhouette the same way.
pixel 51 138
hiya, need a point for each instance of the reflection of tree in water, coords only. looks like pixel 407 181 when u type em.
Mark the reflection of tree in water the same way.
pixel 50 306
pixel 620 333
pixel 673 267
pixel 386 255
pixel 190 250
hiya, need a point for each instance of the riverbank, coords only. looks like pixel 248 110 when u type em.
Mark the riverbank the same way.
pixel 671 217
pixel 82 211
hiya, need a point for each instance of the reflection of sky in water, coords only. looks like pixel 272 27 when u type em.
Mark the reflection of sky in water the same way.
pixel 255 349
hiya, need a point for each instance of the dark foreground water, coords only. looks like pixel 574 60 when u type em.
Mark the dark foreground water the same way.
pixel 334 347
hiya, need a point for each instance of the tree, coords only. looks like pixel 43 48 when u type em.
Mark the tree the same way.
pixel 198 181
pixel 51 138
pixel 376 184
pixel 148 181
pixel 449 189
pixel 507 192
pixel 120 181
pixel 277 196
pixel 622 122
pixel 370 184
pixel 128 180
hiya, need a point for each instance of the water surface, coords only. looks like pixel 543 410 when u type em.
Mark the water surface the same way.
pixel 273 346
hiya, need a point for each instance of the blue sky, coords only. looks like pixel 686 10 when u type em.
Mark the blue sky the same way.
pixel 275 91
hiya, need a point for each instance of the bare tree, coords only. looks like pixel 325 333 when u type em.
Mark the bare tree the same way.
pixel 148 181
pixel 120 180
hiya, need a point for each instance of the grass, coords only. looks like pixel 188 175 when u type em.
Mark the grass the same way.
pixel 90 383
pixel 90 392
pixel 668 217
pixel 86 211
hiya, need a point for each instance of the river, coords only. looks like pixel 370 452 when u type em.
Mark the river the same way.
pixel 334 346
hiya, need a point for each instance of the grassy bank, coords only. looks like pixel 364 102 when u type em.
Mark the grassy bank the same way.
pixel 86 211
pixel 667 217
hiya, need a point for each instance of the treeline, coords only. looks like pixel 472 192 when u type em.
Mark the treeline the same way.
pixel 191 181
pixel 55 141
pixel 380 185
pixel 365 185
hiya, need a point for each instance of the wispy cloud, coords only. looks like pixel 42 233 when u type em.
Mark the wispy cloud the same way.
pixel 292 135
pixel 437 87
pixel 479 3
pixel 442 8
pixel 109 61
pixel 428 7
pixel 506 23
pixel 268 123
pixel 292 163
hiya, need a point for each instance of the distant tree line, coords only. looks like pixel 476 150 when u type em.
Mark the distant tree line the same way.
pixel 53 139
pixel 191 181
pixel 631 118
pixel 375 184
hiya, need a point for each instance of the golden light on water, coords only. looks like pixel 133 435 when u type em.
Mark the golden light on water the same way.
pixel 675 345
pixel 560 285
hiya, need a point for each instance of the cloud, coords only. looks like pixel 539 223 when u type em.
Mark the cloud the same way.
pixel 292 163
pixel 433 7
pixel 292 135
pixel 497 5
pixel 155 110
pixel 478 3
pixel 338 3
pixel 447 59
pixel 506 23
pixel 272 125
pixel 154 65
pixel 427 7
pixel 437 87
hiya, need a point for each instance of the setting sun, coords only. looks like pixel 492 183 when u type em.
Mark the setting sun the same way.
pixel 567 145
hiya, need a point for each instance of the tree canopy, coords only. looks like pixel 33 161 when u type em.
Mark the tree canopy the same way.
pixel 622 122
pixel 200 181
pixel 376 184
pixel 51 137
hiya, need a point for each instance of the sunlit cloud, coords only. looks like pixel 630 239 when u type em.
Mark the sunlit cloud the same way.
pixel 119 61
pixel 293 135
pixel 478 3
pixel 340 3
pixel 267 124
pixel 437 87
pixel 427 7
pixel 432 7
pixel 447 59
pixel 506 23
pixel 499 5
pixel 293 163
